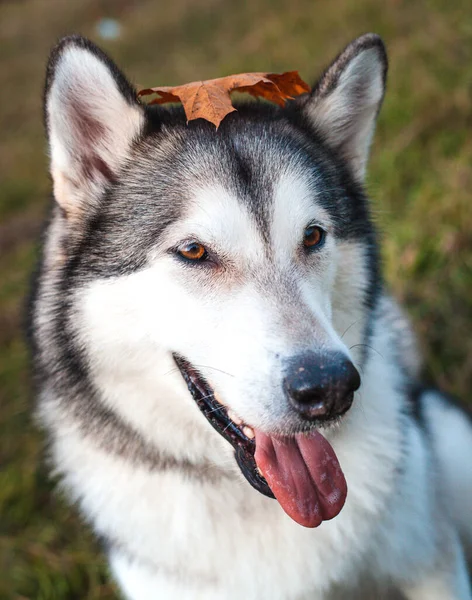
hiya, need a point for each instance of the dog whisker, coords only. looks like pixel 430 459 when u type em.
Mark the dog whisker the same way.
pixel 367 346
pixel 216 409
pixel 351 325
pixel 215 369
pixel 176 370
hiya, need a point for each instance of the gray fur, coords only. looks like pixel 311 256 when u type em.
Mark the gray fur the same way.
pixel 114 300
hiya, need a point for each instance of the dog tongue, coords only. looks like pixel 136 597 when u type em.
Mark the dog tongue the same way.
pixel 304 474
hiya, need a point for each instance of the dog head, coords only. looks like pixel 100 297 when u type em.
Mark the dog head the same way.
pixel 242 258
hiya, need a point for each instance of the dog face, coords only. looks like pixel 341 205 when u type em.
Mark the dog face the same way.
pixel 245 256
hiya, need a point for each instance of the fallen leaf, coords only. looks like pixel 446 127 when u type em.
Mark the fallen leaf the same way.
pixel 211 99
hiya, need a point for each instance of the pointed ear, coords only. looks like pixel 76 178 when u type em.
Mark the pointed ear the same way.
pixel 92 117
pixel 344 104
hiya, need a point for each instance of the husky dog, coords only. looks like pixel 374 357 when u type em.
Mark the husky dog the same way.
pixel 231 395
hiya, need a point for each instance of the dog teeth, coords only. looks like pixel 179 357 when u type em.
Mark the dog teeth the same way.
pixel 234 417
pixel 248 432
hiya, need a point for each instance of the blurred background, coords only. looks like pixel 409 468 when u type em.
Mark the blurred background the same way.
pixel 420 182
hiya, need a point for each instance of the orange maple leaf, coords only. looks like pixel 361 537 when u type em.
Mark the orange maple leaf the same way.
pixel 211 99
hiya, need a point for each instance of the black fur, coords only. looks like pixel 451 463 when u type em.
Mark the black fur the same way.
pixel 115 238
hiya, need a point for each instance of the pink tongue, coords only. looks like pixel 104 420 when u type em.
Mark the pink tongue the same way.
pixel 304 474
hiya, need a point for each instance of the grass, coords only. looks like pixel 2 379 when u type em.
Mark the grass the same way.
pixel 420 180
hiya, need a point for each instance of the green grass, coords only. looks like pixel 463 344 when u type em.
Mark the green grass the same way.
pixel 420 181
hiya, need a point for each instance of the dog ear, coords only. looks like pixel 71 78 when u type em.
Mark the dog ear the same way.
pixel 92 117
pixel 344 104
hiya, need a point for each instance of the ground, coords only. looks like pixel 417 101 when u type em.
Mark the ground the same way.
pixel 420 181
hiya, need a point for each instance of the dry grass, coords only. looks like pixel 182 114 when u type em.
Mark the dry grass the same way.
pixel 420 181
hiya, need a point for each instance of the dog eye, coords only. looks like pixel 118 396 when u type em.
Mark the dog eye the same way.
pixel 314 237
pixel 193 251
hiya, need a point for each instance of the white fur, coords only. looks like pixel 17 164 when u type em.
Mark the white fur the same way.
pixel 198 321
pixel 453 439
pixel 229 532
pixel 347 117
pixel 223 540
pixel 175 536
pixel 84 92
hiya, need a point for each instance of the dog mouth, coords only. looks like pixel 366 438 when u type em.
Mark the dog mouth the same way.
pixel 240 436
pixel 301 471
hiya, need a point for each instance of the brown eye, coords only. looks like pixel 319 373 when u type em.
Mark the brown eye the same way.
pixel 193 251
pixel 314 237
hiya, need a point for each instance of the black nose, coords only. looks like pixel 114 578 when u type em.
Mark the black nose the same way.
pixel 321 386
